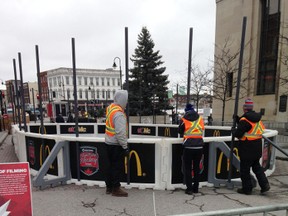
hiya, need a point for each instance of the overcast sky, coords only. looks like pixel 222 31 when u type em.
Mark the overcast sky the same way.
pixel 98 28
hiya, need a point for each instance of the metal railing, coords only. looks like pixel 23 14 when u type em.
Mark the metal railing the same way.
pixel 242 211
pixel 275 145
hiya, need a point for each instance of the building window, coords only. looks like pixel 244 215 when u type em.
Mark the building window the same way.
pixel 97 81
pixel 55 94
pixel 60 93
pixel 102 80
pixel 113 81
pixel 67 80
pixel 50 82
pixel 103 93
pixel 91 81
pixel 85 81
pixel 54 81
pixel 80 94
pixel 68 93
pixel 92 93
pixel 86 94
pixel 79 80
pixel 59 81
pixel 268 47
pixel 98 93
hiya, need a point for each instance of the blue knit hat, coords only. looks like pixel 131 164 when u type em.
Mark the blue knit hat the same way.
pixel 189 107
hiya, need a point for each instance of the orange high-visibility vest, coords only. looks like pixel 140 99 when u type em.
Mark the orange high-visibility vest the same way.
pixel 255 132
pixel 110 112
pixel 193 129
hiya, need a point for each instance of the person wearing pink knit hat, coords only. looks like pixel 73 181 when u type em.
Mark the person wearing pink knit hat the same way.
pixel 249 132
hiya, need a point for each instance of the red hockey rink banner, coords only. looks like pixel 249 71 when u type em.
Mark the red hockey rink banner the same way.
pixel 15 189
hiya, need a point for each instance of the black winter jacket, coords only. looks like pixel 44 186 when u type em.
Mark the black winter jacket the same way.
pixel 192 116
pixel 248 150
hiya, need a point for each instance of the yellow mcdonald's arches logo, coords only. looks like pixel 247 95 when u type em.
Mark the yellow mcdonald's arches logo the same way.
pixel 44 130
pixel 138 162
pixel 216 133
pixel 167 132
pixel 220 159
pixel 46 153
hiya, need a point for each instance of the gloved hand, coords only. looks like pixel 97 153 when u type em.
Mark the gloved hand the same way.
pixel 236 117
pixel 126 152
pixel 233 130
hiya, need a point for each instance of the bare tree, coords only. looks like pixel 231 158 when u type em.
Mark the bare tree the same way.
pixel 226 62
pixel 200 82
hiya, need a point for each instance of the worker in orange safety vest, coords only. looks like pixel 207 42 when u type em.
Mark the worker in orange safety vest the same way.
pixel 116 143
pixel 249 132
pixel 191 127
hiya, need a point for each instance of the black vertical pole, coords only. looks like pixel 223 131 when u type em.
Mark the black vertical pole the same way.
pixel 237 98
pixel 76 108
pixel 177 98
pixel 22 92
pixel 12 101
pixel 189 64
pixel 40 100
pixel 39 90
pixel 35 117
pixel 127 88
pixel 16 93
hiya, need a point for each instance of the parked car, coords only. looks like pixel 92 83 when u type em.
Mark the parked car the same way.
pixel 37 112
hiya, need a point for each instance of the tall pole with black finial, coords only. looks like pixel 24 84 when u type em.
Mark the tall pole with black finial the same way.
pixel 75 107
pixel 39 89
pixel 127 88
pixel 230 185
pixel 22 92
pixel 189 64
pixel 17 94
pixel 40 100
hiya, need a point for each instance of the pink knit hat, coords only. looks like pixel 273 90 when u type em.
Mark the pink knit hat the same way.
pixel 248 104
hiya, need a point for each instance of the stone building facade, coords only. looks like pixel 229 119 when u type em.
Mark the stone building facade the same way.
pixel 264 71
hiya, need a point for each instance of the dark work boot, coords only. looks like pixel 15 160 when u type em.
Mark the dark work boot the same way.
pixel 246 192
pixel 108 190
pixel 118 192
pixel 195 190
pixel 265 188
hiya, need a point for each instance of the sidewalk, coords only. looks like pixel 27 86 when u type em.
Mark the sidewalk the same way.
pixel 3 135
pixel 73 200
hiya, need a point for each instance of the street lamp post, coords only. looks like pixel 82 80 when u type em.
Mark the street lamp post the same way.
pixel 114 66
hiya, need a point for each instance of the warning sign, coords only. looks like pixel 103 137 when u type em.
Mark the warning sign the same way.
pixel 15 189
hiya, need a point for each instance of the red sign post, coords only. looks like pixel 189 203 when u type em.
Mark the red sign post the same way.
pixel 15 189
